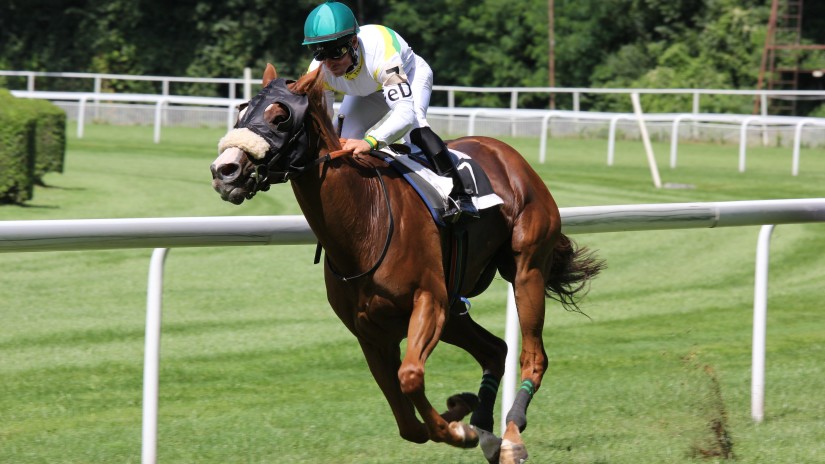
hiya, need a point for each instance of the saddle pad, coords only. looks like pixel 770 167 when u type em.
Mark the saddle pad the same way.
pixel 434 190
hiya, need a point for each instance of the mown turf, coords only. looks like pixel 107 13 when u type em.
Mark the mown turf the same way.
pixel 257 369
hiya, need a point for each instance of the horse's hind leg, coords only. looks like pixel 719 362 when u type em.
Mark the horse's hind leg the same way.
pixel 490 352
pixel 528 287
pixel 534 235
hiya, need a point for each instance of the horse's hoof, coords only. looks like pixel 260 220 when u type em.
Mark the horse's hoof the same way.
pixel 512 453
pixel 468 435
pixel 513 450
pixel 490 445
pixel 466 402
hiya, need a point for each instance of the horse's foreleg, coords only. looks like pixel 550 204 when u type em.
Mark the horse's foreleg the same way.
pixel 383 362
pixel 426 325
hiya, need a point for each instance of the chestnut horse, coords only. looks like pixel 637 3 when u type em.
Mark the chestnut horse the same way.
pixel 386 258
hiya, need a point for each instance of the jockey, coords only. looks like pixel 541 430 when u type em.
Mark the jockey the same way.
pixel 378 73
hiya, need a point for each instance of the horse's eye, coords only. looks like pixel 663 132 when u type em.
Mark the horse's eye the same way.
pixel 279 117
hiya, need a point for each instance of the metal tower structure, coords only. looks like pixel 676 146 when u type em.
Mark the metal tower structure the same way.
pixel 781 67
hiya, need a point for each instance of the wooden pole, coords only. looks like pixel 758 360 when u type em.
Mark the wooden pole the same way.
pixel 551 59
pixel 651 160
pixel 767 55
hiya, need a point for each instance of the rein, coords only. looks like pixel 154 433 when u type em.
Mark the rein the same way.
pixel 331 156
pixel 390 227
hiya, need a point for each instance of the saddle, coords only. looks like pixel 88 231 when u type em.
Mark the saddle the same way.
pixel 433 189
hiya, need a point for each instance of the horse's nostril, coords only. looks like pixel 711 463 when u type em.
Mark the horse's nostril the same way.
pixel 226 171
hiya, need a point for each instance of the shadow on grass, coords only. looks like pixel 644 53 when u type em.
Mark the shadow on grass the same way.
pixel 41 184
pixel 27 206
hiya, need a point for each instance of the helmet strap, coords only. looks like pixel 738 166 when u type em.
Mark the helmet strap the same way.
pixel 353 52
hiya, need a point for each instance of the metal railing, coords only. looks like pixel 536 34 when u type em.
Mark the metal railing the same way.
pixel 161 234
pixel 247 82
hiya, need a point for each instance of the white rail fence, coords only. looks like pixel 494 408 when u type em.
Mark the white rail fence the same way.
pixel 251 80
pixel 165 233
pixel 742 121
pixel 448 120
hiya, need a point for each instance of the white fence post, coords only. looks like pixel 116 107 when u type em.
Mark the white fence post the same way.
pixel 511 370
pixel 674 139
pixel 81 116
pixel 760 323
pixel 743 140
pixel 30 81
pixel 151 357
pixel 159 118
pixel 247 84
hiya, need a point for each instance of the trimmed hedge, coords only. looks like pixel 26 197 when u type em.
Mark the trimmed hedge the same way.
pixel 32 143
pixel 17 130
pixel 49 138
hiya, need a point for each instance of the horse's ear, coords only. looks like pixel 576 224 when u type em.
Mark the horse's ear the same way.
pixel 269 74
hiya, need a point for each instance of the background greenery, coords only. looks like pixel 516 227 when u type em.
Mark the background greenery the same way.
pixel 599 43
pixel 256 368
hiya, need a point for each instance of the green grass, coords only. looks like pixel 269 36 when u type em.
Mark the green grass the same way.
pixel 256 368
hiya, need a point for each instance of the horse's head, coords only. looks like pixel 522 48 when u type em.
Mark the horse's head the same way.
pixel 269 144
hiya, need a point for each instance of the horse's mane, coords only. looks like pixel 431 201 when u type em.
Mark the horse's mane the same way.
pixel 312 84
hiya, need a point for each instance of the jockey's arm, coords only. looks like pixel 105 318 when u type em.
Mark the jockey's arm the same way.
pixel 398 95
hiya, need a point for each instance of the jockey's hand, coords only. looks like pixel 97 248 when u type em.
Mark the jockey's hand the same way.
pixel 357 146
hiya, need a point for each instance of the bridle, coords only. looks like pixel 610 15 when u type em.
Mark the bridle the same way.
pixel 264 175
pixel 288 141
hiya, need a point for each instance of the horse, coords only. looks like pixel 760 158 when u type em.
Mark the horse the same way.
pixel 387 259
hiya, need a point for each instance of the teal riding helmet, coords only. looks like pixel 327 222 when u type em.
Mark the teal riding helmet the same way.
pixel 329 21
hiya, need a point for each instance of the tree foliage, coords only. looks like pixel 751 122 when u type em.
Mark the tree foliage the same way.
pixel 598 43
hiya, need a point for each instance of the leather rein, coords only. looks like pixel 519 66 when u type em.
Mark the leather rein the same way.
pixel 390 228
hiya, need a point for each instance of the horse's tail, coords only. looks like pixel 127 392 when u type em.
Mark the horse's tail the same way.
pixel 571 268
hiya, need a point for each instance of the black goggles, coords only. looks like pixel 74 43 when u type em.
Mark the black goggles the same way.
pixel 334 52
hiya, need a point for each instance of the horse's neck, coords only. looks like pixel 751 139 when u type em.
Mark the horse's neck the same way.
pixel 344 210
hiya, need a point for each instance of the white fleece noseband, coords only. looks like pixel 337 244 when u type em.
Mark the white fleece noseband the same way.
pixel 251 143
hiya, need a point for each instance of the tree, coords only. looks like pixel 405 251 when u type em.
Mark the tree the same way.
pixel 490 43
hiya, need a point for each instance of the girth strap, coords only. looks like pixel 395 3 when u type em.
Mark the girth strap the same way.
pixel 455 262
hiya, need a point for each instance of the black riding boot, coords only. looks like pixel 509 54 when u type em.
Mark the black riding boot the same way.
pixel 437 153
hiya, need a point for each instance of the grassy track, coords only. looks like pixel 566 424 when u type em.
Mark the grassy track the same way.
pixel 256 368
